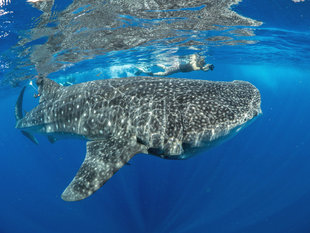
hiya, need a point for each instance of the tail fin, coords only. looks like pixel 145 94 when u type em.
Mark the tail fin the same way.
pixel 19 105
pixel 19 115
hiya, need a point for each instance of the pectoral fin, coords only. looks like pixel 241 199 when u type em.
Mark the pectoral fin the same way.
pixel 103 159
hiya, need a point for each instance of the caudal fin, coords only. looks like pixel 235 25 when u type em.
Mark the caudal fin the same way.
pixel 19 115
pixel 19 105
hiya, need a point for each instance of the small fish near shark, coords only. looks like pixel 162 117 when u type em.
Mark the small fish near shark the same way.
pixel 168 117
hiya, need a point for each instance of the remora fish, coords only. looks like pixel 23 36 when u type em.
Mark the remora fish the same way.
pixel 167 117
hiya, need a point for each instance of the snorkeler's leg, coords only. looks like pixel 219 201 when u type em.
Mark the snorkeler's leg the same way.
pixel 162 66
pixel 161 73
pixel 168 71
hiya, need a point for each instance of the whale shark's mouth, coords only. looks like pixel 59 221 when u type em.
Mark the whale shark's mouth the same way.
pixel 256 104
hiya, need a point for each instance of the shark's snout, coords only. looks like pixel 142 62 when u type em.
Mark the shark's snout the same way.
pixel 256 103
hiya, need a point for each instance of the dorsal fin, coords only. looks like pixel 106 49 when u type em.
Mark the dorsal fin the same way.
pixel 47 88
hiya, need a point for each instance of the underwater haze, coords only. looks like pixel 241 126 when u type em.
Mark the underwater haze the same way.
pixel 257 181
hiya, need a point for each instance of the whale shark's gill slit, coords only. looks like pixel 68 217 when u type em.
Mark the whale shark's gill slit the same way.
pixel 155 151
pixel 140 141
pixel 186 147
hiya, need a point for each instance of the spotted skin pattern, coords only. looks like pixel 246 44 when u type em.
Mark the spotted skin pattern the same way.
pixel 167 117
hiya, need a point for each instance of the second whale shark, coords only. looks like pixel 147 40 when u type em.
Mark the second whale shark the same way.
pixel 167 117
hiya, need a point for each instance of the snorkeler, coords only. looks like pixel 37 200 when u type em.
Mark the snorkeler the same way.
pixel 189 63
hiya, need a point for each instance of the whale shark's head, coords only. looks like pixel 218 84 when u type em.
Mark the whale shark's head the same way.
pixel 252 100
pixel 220 113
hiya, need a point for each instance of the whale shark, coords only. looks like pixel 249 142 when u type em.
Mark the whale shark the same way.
pixel 172 118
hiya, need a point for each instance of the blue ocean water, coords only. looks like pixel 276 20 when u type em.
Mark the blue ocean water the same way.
pixel 255 182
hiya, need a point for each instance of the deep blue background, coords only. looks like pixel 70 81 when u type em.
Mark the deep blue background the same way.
pixel 255 182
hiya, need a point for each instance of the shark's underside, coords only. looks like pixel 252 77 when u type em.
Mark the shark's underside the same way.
pixel 166 117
